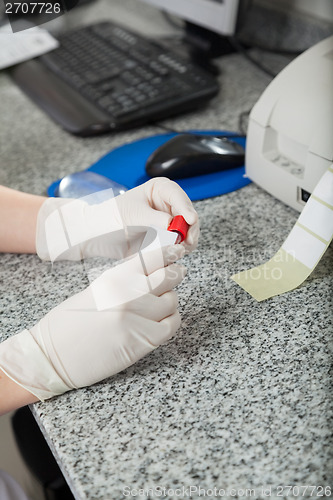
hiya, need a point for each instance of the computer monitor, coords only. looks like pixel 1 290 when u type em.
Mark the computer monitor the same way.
pixel 219 16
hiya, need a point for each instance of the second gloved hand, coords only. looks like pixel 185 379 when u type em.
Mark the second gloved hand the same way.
pixel 115 228
pixel 123 315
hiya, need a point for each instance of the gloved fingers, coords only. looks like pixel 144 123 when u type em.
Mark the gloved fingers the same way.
pixel 164 280
pixel 150 334
pixel 131 279
pixel 167 328
pixel 168 196
pixel 166 305
pixel 151 261
pixel 192 238
pixel 146 262
pixel 146 336
pixel 153 217
pixel 154 308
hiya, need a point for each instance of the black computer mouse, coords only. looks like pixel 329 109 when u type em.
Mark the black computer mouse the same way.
pixel 188 155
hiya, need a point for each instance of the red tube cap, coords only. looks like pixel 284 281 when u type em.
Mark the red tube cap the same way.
pixel 180 226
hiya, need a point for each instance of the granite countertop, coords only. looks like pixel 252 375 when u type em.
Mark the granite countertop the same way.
pixel 241 397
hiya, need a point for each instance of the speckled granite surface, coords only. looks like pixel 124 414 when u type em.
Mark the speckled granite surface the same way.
pixel 241 398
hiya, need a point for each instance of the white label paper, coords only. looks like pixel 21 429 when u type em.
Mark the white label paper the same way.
pixel 18 47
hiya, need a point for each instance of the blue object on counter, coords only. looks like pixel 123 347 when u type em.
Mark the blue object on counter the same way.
pixel 126 165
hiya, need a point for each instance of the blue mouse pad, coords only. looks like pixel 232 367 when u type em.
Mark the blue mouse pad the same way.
pixel 126 165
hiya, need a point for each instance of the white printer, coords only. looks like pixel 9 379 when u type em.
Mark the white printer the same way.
pixel 290 133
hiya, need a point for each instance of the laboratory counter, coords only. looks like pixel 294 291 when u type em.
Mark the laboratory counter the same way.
pixel 241 397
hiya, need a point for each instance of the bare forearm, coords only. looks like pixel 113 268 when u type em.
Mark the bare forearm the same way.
pixel 12 395
pixel 18 218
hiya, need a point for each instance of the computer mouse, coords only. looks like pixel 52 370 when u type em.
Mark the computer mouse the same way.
pixel 188 155
pixel 84 183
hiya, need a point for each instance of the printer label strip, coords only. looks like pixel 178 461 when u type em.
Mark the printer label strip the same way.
pixel 301 251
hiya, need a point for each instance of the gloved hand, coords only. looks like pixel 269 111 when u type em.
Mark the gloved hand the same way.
pixel 120 317
pixel 75 229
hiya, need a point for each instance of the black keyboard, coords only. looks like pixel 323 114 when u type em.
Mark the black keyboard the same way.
pixel 104 77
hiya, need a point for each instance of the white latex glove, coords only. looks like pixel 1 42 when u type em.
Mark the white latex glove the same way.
pixel 75 229
pixel 120 317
